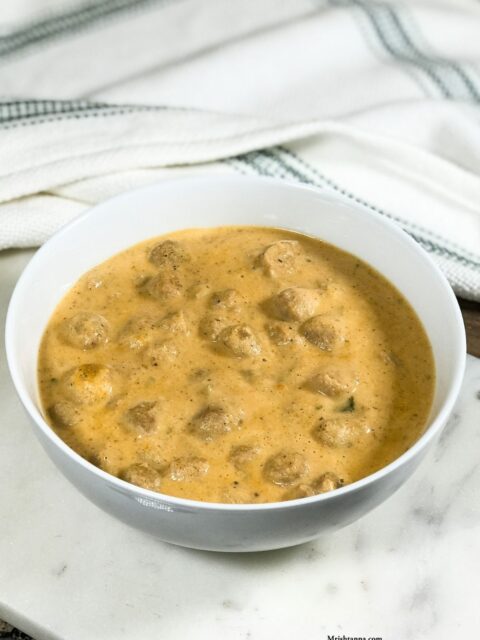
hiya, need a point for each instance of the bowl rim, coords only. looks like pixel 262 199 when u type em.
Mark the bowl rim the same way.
pixel 146 496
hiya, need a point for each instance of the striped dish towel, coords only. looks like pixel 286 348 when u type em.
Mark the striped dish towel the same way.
pixel 377 102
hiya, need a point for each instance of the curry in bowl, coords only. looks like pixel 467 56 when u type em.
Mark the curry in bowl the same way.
pixel 236 365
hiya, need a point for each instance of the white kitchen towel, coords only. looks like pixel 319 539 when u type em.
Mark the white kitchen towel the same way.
pixel 377 102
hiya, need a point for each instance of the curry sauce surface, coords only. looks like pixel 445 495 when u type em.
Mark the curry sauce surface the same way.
pixel 238 364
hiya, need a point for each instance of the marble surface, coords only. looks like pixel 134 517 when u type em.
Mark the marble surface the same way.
pixel 409 570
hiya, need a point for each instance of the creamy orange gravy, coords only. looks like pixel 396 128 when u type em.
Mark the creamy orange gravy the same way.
pixel 238 364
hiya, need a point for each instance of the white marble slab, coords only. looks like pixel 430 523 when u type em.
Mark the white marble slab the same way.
pixel 409 570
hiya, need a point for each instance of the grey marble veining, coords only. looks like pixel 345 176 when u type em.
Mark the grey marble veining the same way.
pixel 409 570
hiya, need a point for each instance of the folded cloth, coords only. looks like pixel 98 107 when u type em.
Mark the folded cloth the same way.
pixel 377 102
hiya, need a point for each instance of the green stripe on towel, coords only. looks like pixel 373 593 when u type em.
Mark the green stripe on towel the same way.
pixel 388 23
pixel 61 24
pixel 280 162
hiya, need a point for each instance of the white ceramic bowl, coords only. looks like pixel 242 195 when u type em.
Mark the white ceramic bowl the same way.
pixel 213 201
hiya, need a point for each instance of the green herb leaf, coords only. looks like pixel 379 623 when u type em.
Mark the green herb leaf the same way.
pixel 349 406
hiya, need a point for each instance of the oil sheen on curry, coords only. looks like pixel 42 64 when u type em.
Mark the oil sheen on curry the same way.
pixel 237 365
